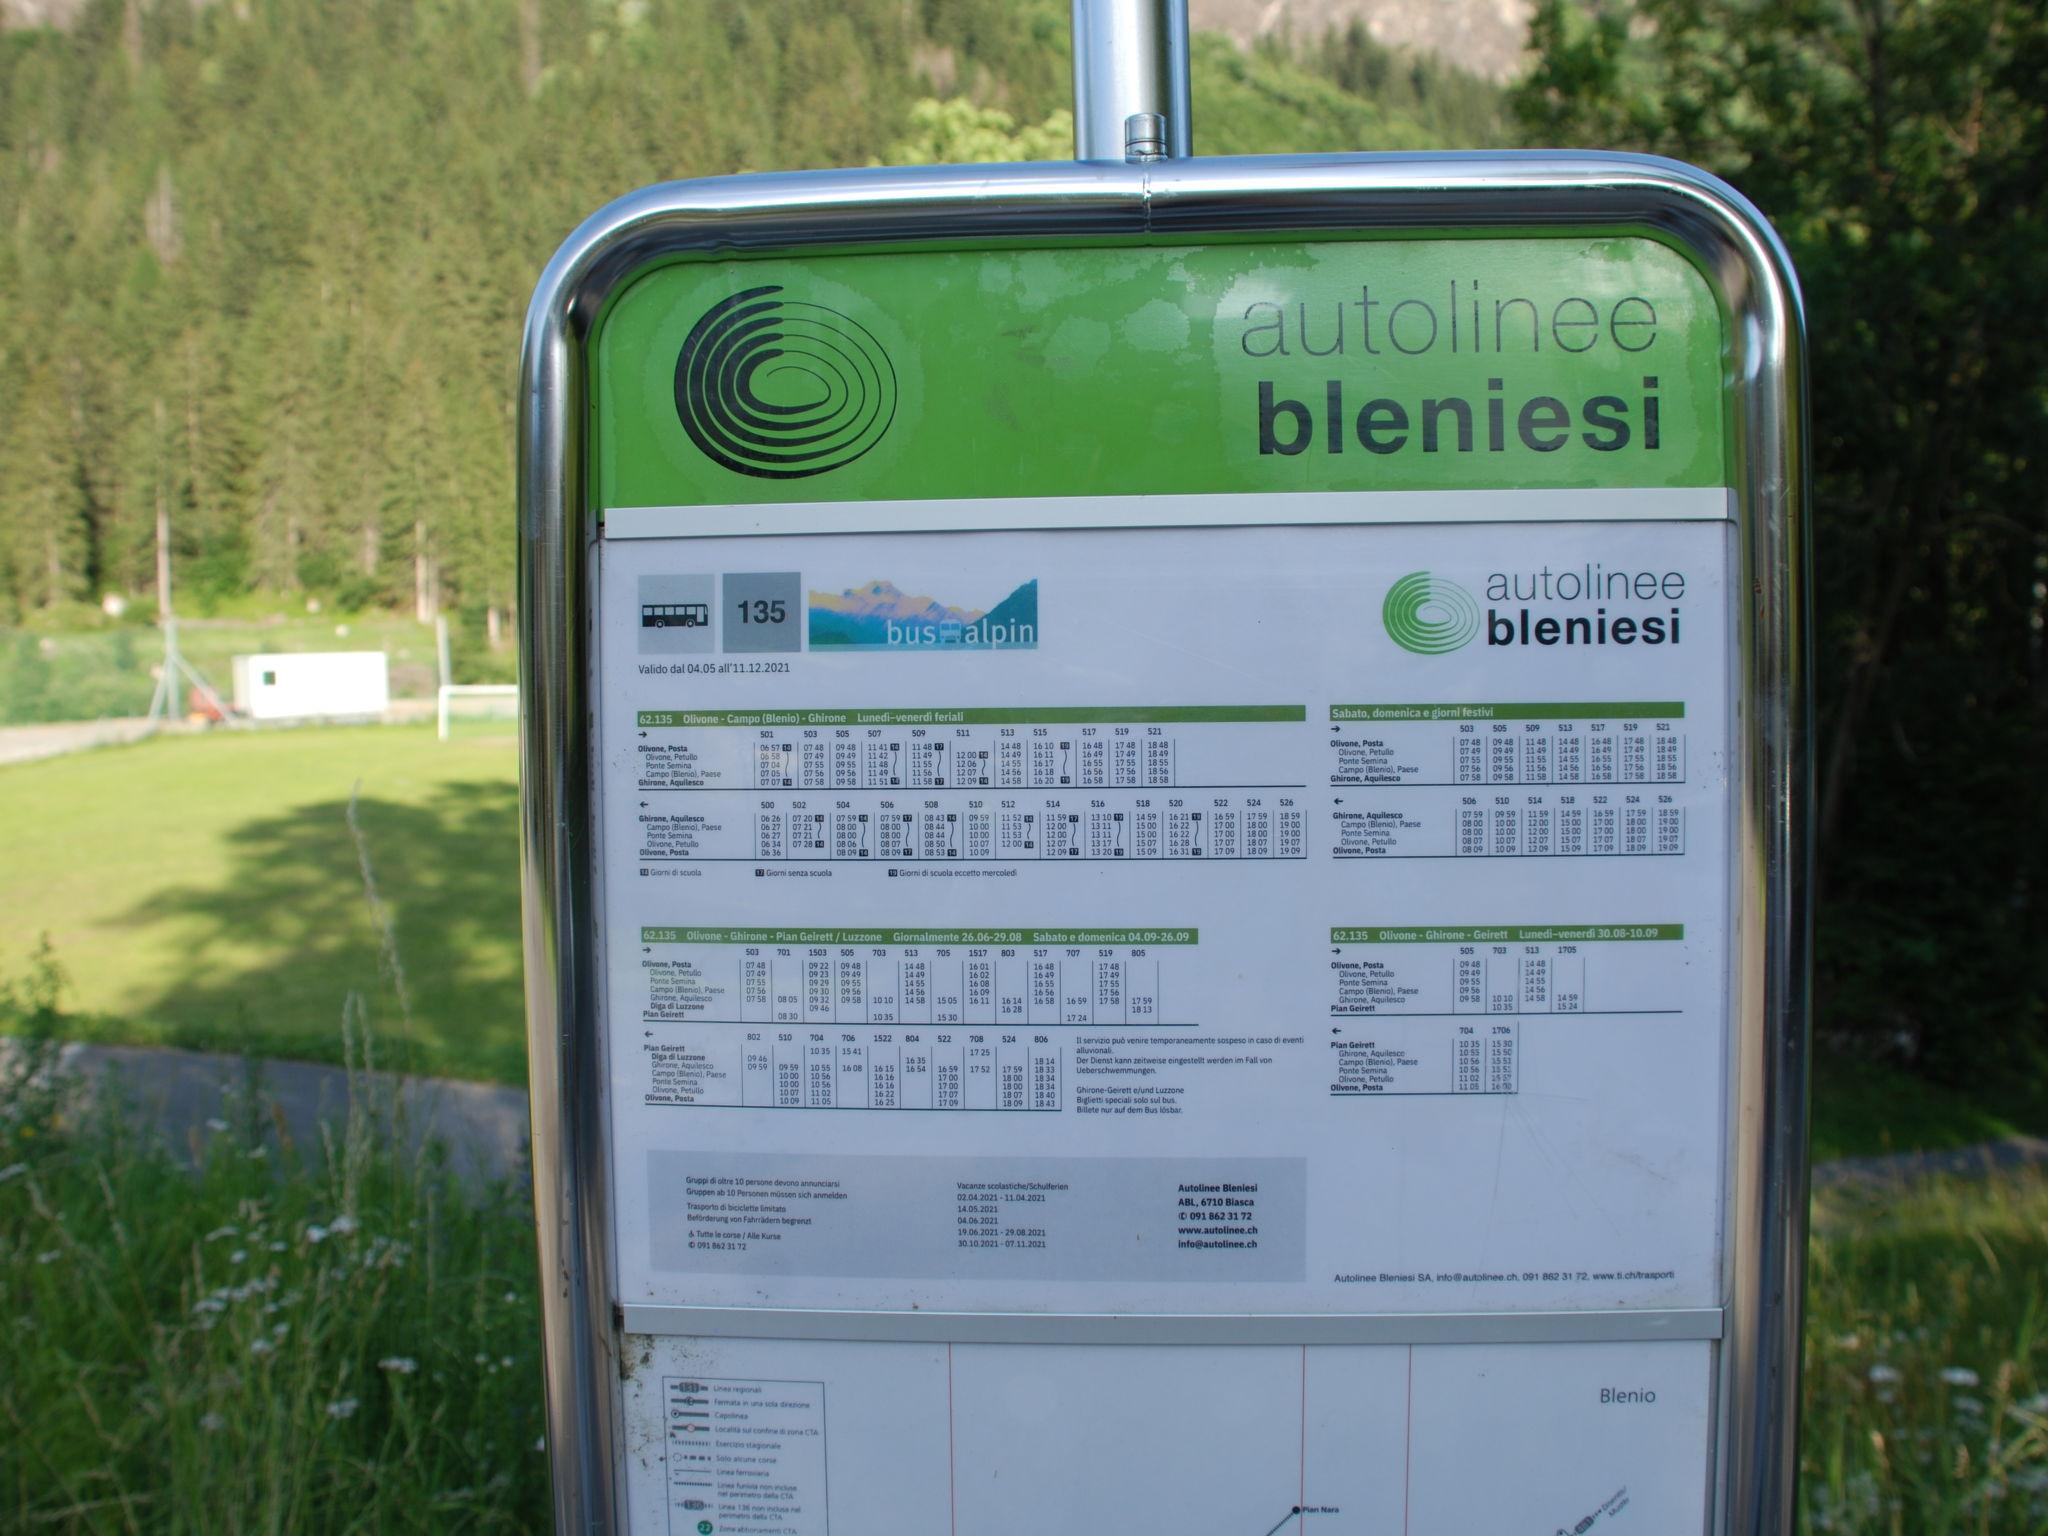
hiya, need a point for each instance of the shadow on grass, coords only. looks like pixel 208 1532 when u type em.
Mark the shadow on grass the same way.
pixel 273 950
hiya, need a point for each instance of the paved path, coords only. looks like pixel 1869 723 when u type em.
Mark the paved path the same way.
pixel 1958 1162
pixel 185 1094
pixel 485 1125
pixel 26 743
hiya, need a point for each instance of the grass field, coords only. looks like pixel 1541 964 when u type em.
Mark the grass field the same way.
pixel 208 891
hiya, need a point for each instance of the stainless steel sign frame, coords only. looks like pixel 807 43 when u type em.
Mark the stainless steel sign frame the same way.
pixel 1185 202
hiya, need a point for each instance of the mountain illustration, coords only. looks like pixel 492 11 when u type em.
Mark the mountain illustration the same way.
pixel 1019 608
pixel 886 600
pixel 880 615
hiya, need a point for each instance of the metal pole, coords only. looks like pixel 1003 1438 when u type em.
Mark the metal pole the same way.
pixel 1131 80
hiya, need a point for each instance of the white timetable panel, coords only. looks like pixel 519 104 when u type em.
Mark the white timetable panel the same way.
pixel 1293 920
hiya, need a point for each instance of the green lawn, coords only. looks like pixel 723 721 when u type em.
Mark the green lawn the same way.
pixel 207 892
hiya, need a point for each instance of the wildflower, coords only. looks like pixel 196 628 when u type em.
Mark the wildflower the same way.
pixel 1970 1406
pixel 316 1234
pixel 540 1442
pixel 343 1224
pixel 398 1365
pixel 49 1255
pixel 1959 1376
pixel 215 1123
pixel 12 1171
pixel 505 1361
pixel 261 1346
pixel 212 1423
pixel 239 1256
pixel 257 1154
pixel 277 1247
pixel 511 1297
pixel 480 1360
pixel 342 1408
pixel 218 1233
pixel 1884 1375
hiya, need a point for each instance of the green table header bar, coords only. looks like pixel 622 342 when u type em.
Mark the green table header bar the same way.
pixel 1665 709
pixel 1083 714
pixel 903 936
pixel 1553 934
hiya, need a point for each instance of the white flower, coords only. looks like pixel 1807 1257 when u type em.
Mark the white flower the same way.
pixel 1969 1405
pixel 220 1232
pixel 49 1255
pixel 343 1224
pixel 511 1297
pixel 278 1247
pixel 239 1256
pixel 12 1171
pixel 540 1442
pixel 398 1365
pixel 316 1234
pixel 505 1361
pixel 1959 1376
pixel 215 1123
pixel 257 1154
pixel 1884 1375
pixel 342 1408
pixel 261 1346
pixel 212 1423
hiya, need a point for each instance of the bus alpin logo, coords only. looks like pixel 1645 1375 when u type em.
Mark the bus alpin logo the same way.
pixel 780 389
pixel 1429 615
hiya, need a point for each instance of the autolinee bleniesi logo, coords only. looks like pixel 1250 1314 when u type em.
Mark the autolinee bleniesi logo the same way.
pixel 1429 615
pixel 781 389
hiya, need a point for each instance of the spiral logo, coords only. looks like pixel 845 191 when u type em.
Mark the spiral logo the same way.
pixel 772 387
pixel 1428 615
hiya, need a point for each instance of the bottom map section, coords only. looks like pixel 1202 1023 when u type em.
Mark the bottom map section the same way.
pixel 771 1438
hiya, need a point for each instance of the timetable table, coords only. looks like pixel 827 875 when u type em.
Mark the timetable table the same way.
pixel 1562 744
pixel 1037 977
pixel 1436 1010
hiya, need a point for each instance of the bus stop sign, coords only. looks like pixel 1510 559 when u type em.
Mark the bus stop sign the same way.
pixel 1164 814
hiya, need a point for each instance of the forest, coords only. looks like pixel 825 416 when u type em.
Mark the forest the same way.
pixel 263 264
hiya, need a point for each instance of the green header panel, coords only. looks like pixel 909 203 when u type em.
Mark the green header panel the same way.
pixel 1342 365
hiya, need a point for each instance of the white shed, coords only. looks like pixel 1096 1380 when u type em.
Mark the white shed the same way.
pixel 312 685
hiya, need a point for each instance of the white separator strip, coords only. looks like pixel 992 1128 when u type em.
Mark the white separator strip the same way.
pixel 1237 509
pixel 1612 1326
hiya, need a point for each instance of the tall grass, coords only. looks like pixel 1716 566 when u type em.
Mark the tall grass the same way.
pixel 1926 1380
pixel 257 1336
